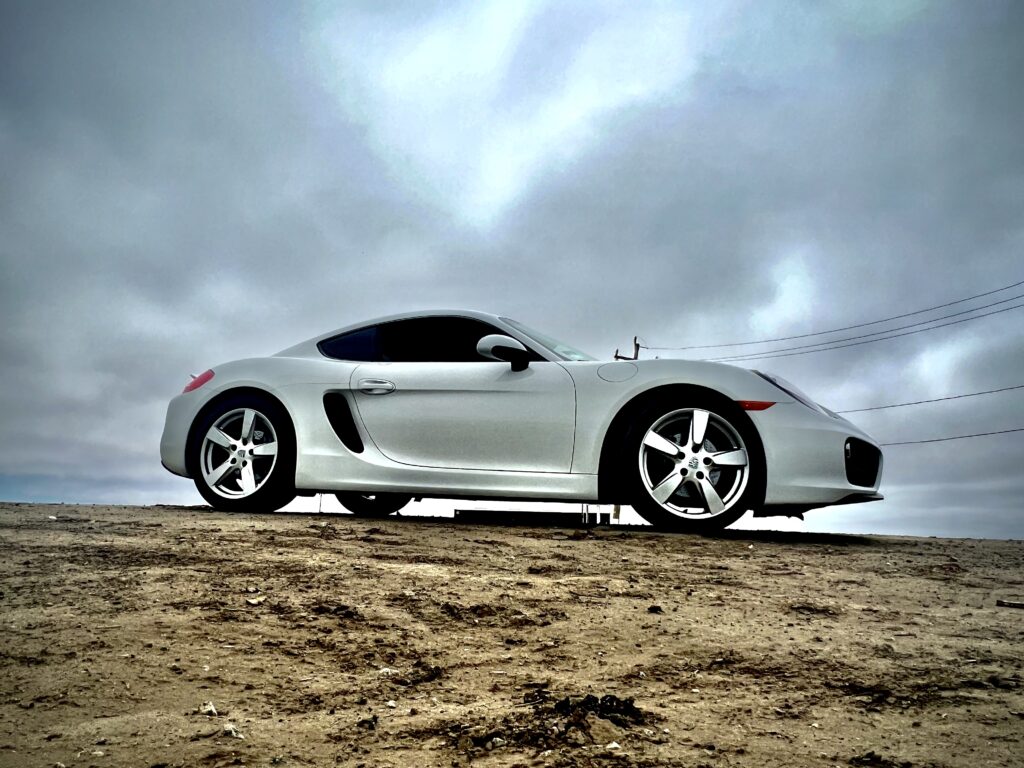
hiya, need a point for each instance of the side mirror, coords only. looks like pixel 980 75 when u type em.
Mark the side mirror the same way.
pixel 506 349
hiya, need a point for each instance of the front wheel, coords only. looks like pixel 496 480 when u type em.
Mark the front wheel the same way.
pixel 697 468
pixel 243 455
pixel 372 504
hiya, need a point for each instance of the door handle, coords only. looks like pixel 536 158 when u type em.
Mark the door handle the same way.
pixel 376 386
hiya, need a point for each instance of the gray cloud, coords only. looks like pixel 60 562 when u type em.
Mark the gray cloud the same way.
pixel 186 185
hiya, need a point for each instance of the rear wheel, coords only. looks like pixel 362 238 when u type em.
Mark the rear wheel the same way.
pixel 243 455
pixel 697 468
pixel 372 504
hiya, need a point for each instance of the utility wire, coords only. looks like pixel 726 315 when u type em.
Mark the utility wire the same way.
pixel 844 328
pixel 934 400
pixel 859 343
pixel 955 437
pixel 873 333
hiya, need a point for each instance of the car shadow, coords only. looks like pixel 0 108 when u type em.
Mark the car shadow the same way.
pixel 568 521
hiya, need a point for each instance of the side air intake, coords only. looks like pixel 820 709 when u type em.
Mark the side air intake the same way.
pixel 339 414
pixel 863 461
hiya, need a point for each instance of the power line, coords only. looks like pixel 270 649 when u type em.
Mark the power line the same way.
pixel 873 333
pixel 955 437
pixel 844 328
pixel 933 400
pixel 859 343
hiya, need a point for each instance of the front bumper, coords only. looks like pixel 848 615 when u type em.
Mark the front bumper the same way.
pixel 806 458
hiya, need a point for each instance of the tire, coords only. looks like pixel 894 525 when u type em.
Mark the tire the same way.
pixel 694 483
pixel 238 472
pixel 372 504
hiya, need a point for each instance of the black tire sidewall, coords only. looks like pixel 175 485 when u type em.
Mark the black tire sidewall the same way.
pixel 279 489
pixel 382 505
pixel 654 513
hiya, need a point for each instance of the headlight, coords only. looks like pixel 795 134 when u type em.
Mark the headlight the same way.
pixel 792 390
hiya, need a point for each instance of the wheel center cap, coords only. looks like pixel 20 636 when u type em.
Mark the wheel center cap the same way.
pixel 693 463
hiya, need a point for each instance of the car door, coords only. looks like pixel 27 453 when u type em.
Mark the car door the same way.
pixel 430 400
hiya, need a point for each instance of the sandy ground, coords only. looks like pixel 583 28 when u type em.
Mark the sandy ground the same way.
pixel 330 640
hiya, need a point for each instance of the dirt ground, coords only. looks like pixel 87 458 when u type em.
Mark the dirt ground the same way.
pixel 168 636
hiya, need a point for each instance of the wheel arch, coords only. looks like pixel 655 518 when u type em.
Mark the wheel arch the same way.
pixel 611 478
pixel 216 400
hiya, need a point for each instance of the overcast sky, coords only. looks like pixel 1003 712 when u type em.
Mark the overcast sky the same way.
pixel 189 183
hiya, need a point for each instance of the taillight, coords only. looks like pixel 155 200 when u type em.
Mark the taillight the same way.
pixel 755 405
pixel 198 381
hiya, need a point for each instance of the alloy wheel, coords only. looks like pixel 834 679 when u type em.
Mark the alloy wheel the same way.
pixel 239 453
pixel 694 464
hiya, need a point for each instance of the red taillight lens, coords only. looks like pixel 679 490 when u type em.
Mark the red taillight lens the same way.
pixel 755 405
pixel 198 381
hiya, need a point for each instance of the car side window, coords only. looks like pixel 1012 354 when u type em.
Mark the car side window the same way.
pixel 359 346
pixel 433 340
pixel 417 340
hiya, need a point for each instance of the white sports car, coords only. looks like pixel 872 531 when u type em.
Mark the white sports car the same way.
pixel 469 405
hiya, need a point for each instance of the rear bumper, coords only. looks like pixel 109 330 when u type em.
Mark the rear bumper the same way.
pixel 181 412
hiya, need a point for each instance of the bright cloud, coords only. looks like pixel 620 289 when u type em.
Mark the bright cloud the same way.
pixel 793 301
pixel 435 98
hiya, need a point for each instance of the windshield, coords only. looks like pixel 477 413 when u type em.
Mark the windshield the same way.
pixel 563 351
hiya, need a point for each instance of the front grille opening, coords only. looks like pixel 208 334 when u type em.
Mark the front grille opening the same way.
pixel 863 461
pixel 339 414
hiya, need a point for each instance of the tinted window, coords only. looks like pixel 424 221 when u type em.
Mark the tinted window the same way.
pixel 433 340
pixel 418 340
pixel 358 345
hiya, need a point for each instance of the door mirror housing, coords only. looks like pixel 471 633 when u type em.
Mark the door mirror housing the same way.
pixel 497 346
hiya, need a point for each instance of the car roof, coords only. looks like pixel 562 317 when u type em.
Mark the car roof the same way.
pixel 309 346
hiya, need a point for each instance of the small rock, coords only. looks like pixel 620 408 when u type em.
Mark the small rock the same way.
pixel 655 609
pixel 386 671
pixel 602 731
pixel 390 704
pixel 369 723
pixel 576 737
pixel 256 600
pixel 207 708
pixel 613 745
pixel 230 730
